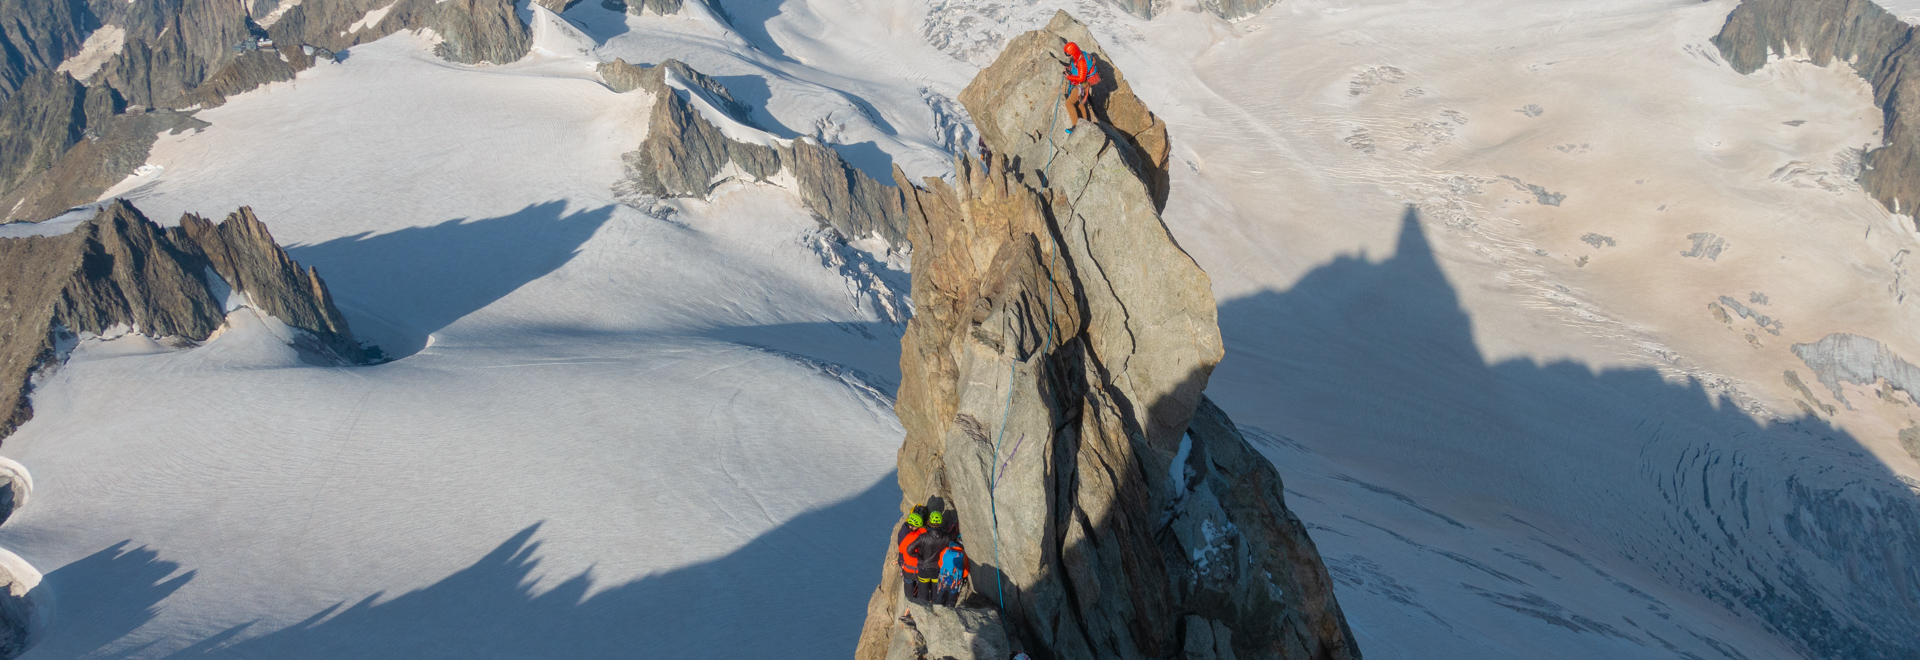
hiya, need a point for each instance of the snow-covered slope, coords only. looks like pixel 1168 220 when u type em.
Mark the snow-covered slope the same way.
pixel 1464 252
pixel 604 424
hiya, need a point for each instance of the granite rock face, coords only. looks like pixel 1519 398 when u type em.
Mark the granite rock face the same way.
pixel 119 268
pixel 1017 100
pixel 1052 380
pixel 1878 45
pixel 686 155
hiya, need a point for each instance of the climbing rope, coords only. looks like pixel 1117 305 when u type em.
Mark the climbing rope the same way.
pixel 993 476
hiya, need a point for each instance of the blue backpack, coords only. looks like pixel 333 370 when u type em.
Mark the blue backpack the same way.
pixel 953 567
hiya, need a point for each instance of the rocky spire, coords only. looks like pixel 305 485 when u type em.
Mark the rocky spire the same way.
pixel 119 268
pixel 1052 381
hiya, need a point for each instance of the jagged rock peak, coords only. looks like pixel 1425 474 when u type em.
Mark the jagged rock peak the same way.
pixel 1052 380
pixel 686 155
pixel 1878 45
pixel 1016 103
pixel 120 269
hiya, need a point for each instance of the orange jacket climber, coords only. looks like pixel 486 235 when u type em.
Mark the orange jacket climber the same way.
pixel 1078 71
pixel 911 531
pixel 1081 77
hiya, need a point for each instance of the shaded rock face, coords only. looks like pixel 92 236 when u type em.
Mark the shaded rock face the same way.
pixel 50 113
pixel 16 614
pixel 119 268
pixel 37 35
pixel 1052 381
pixel 92 165
pixel 16 486
pixel 685 155
pixel 1880 48
pixel 177 49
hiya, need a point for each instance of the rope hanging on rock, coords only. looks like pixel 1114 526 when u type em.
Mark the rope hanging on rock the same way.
pixel 993 476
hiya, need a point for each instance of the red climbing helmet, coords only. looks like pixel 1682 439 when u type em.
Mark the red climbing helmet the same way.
pixel 1073 49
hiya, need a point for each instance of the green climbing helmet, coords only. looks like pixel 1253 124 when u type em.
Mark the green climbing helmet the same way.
pixel 935 518
pixel 917 517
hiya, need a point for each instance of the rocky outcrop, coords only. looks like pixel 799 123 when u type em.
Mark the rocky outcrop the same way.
pixel 1235 9
pixel 37 35
pixel 1052 380
pixel 1227 9
pixel 1019 96
pixel 1846 358
pixel 477 31
pixel 121 269
pixel 252 69
pixel 185 55
pixel 50 113
pixel 157 67
pixel 656 7
pixel 686 155
pixel 1879 46
pixel 16 487
pixel 213 42
pixel 109 153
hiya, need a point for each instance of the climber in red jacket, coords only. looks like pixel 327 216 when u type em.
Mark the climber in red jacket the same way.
pixel 1081 77
pixel 913 544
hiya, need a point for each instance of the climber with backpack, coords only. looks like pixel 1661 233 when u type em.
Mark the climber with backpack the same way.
pixel 953 573
pixel 909 542
pixel 1080 79
pixel 934 562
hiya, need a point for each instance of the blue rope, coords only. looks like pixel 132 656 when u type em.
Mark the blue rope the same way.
pixel 993 476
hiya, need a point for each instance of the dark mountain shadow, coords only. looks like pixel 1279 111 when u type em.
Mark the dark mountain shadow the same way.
pixel 765 600
pixel 1788 522
pixel 121 589
pixel 867 157
pixel 753 93
pixel 597 20
pixel 399 287
pixel 749 18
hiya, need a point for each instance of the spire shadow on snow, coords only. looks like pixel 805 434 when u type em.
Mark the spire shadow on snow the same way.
pixel 502 607
pixel 1790 521
pixel 399 287
pixel 114 592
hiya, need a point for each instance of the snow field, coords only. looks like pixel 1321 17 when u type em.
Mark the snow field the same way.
pixel 1515 427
